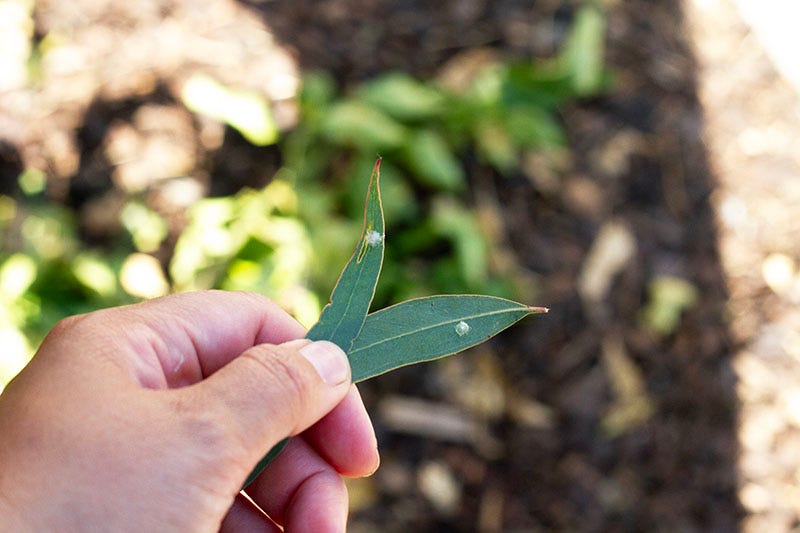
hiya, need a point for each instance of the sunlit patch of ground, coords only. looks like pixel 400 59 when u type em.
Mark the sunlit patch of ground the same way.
pixel 752 118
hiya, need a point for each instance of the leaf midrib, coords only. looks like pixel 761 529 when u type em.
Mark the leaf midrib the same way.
pixel 385 340
pixel 345 316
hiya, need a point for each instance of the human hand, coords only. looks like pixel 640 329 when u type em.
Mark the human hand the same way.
pixel 150 417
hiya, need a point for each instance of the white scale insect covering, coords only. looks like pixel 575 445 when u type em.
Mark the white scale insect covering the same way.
pixel 462 328
pixel 373 238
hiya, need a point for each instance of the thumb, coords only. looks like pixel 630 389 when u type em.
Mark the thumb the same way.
pixel 271 392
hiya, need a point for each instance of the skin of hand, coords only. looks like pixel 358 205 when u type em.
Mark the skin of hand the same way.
pixel 149 417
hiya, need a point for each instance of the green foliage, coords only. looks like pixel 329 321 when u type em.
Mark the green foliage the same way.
pixel 429 157
pixel 248 113
pixel 251 241
pixel 581 60
pixel 45 276
pixel 669 297
pixel 424 130
pixel 403 98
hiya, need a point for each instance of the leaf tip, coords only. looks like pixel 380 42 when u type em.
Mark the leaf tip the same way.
pixel 538 310
pixel 374 181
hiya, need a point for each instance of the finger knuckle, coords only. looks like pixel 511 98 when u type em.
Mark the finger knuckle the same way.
pixel 77 327
pixel 67 325
pixel 290 381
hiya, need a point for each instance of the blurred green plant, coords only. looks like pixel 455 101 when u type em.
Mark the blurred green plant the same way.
pixel 251 241
pixel 46 274
pixel 668 298
pixel 246 112
pixel 424 130
pixel 288 239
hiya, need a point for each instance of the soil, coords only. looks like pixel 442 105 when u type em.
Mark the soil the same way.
pixel 581 420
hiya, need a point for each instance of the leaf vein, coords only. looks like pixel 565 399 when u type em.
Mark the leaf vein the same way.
pixel 386 340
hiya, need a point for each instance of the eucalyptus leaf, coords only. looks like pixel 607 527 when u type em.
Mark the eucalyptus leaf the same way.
pixel 341 320
pixel 429 328
pixel 409 332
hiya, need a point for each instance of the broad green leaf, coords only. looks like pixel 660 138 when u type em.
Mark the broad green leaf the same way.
pixel 460 225
pixel 95 274
pixel 433 162
pixel 582 56
pixel 403 97
pixel 354 123
pixel 429 328
pixel 533 126
pixel 543 84
pixel 342 318
pixel 32 181
pixel 17 273
pixel 669 297
pixel 247 112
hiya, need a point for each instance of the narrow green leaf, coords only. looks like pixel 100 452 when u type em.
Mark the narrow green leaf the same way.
pixel 342 318
pixel 429 328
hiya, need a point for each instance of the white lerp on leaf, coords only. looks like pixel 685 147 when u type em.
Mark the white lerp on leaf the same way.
pixel 374 238
pixel 462 328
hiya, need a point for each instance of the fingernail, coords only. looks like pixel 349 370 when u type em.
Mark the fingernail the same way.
pixel 329 360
